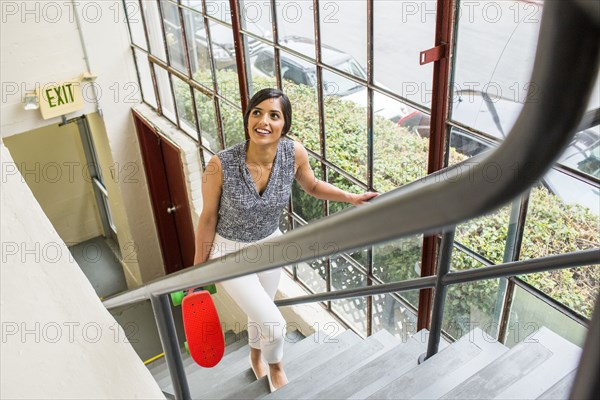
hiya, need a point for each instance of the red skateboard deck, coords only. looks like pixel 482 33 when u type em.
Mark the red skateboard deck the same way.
pixel 202 327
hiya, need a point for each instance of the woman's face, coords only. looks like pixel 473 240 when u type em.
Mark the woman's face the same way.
pixel 266 122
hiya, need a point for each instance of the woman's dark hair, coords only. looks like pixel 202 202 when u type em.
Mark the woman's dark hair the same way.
pixel 270 93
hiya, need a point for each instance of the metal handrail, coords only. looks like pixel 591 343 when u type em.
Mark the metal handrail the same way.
pixel 543 264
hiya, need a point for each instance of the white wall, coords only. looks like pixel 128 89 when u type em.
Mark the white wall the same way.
pixel 51 159
pixel 58 340
pixel 40 43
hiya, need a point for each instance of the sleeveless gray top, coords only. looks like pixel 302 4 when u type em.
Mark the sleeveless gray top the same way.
pixel 244 214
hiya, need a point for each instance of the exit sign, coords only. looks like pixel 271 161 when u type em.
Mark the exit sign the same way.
pixel 60 99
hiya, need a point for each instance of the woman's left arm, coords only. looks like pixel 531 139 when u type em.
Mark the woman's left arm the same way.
pixel 319 189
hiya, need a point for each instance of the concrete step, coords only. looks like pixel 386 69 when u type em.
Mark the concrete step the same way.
pixel 376 373
pixel 245 378
pixel 233 341
pixel 564 359
pixel 561 389
pixel 517 373
pixel 298 367
pixel 328 373
pixel 451 366
pixel 202 380
pixel 164 379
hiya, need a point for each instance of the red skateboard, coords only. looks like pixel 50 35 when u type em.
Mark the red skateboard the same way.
pixel 202 326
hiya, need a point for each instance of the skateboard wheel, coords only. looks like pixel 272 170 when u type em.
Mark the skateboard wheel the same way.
pixel 177 298
pixel 212 289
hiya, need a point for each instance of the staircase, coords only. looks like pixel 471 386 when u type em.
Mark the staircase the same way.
pixel 385 367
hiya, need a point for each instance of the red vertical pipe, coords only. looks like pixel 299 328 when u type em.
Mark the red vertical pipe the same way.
pixel 437 139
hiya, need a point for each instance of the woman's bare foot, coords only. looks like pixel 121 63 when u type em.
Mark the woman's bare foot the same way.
pixel 277 375
pixel 258 366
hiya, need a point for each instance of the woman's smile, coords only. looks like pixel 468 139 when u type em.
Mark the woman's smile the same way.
pixel 262 131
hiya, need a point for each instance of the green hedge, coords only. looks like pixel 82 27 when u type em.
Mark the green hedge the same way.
pixel 553 227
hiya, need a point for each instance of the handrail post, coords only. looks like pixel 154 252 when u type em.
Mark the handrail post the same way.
pixel 439 298
pixel 168 338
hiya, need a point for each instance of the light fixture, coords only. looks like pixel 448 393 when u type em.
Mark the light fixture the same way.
pixel 87 77
pixel 30 101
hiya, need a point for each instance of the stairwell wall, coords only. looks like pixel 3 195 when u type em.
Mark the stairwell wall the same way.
pixel 58 340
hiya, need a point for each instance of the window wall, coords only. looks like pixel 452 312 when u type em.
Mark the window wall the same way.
pixel 362 108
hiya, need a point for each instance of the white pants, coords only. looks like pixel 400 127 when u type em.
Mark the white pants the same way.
pixel 254 294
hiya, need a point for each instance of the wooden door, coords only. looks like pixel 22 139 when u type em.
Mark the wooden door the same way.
pixel 168 194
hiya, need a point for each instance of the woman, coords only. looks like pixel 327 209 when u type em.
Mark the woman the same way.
pixel 245 189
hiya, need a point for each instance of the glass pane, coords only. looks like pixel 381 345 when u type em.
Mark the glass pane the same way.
pixel 464 145
pixel 313 275
pixel 256 18
pixel 341 182
pixel 233 124
pixel 394 316
pixel 402 29
pixel 300 86
pixel 208 125
pixel 219 9
pixel 485 235
pixel 174 36
pixel 473 304
pixel 224 58
pixel 346 276
pixel 493 63
pixel 528 314
pixel 346 124
pixel 198 48
pixel 145 77
pixel 136 25
pixel 295 26
pixel 470 306
pixel 195 4
pixel 262 70
pixel 155 30
pixel 284 222
pixel 583 154
pixel 185 109
pixel 307 207
pixel 399 260
pixel 563 216
pixel 336 50
pixel 400 149
pixel 165 93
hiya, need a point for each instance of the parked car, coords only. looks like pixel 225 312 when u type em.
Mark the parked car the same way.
pixel 302 72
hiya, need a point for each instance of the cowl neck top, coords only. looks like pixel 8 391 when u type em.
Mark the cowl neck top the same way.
pixel 244 214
